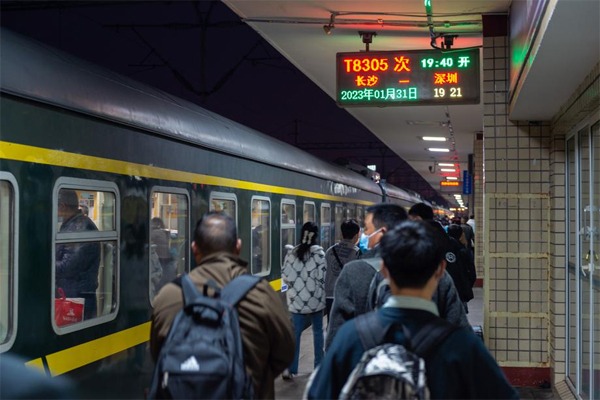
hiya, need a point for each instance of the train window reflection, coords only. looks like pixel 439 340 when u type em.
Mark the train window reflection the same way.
pixel 8 216
pixel 310 212
pixel 169 244
pixel 288 226
pixel 325 225
pixel 225 203
pixel 85 252
pixel 261 236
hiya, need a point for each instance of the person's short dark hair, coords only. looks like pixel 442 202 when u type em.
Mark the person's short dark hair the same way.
pixel 68 198
pixel 350 228
pixel 157 223
pixel 455 231
pixel 422 210
pixel 412 251
pixel 215 232
pixel 387 215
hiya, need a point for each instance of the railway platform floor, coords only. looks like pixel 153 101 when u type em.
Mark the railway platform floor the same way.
pixel 294 389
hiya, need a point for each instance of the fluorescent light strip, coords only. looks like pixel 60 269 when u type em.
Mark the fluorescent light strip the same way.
pixel 451 178
pixel 437 149
pixel 434 138
pixel 447 170
pixel 445 165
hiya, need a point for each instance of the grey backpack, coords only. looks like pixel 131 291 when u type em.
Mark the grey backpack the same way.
pixel 202 357
pixel 392 370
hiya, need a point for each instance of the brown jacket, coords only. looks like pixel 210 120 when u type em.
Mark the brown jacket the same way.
pixel 267 333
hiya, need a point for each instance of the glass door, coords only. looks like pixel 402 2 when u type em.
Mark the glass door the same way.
pixel 583 252
pixel 594 349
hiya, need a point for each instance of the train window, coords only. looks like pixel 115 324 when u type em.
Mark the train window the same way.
pixel 339 218
pixel 310 212
pixel 169 243
pixel 224 202
pixel 351 212
pixel 8 251
pixel 288 226
pixel 325 225
pixel 260 243
pixel 86 244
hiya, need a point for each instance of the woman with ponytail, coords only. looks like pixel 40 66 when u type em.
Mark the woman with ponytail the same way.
pixel 304 273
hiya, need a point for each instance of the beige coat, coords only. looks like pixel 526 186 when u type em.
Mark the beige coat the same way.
pixel 267 332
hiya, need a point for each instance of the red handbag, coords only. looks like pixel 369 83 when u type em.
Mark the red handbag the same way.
pixel 68 311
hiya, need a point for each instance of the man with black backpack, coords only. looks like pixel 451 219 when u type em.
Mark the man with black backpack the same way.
pixel 208 354
pixel 404 349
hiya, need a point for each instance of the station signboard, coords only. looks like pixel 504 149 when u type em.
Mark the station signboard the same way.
pixel 408 77
pixel 451 186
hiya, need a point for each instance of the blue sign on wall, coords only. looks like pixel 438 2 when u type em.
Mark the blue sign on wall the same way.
pixel 467 183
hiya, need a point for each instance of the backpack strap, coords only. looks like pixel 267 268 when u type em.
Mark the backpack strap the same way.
pixel 189 290
pixel 370 329
pixel 372 333
pixel 237 288
pixel 432 335
pixel 337 257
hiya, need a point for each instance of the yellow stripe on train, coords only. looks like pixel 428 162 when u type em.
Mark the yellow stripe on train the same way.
pixel 20 152
pixel 78 356
pixel 74 357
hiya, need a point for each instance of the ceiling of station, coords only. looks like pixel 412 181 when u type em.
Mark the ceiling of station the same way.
pixel 566 53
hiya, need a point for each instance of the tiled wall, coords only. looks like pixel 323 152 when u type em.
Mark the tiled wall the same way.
pixel 516 212
pixel 521 212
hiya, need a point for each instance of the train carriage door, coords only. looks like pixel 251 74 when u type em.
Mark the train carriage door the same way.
pixel 325 225
pixel 583 265
pixel 288 226
pixel 260 242
pixel 9 230
pixel 169 236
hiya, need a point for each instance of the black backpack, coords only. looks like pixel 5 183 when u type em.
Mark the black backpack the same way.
pixel 391 370
pixel 202 356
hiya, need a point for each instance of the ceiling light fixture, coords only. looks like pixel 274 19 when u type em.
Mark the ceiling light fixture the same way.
pixel 446 164
pixel 434 138
pixel 447 169
pixel 438 149
pixel 451 178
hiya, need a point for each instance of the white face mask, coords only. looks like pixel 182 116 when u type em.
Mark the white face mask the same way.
pixel 369 237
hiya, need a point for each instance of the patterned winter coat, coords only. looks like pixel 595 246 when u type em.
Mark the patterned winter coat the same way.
pixel 305 280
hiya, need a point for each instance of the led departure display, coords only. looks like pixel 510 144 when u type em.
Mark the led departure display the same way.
pixel 410 77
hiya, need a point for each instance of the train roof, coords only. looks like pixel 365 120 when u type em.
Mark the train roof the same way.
pixel 33 70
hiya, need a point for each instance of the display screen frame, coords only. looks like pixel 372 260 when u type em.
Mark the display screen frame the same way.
pixel 408 77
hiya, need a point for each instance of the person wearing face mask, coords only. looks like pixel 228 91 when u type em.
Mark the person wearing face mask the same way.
pixel 352 290
pixel 352 286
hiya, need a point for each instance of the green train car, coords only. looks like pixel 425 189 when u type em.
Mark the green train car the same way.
pixel 143 166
